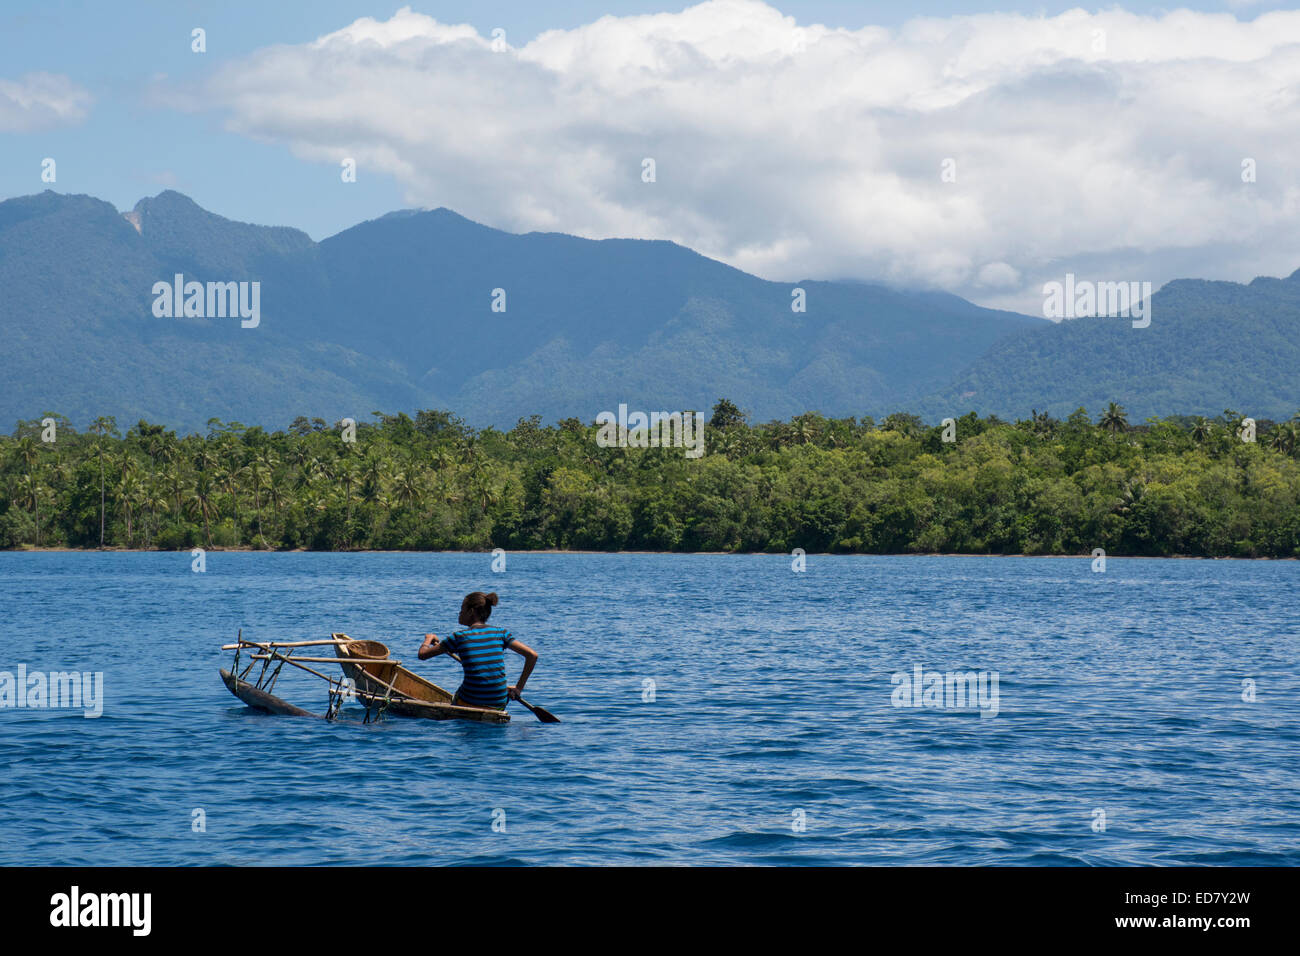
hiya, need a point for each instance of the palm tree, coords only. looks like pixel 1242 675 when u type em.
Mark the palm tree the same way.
pixel 485 494
pixel 802 430
pixel 8 485
pixel 28 452
pixel 482 487
pixel 441 459
pixel 206 459
pixel 1236 421
pixel 305 476
pixel 167 448
pixel 151 441
pixel 349 475
pixel 155 499
pixel 257 479
pixel 174 482
pixel 301 454
pixel 726 443
pixel 374 471
pixel 201 498
pixel 1133 492
pixel 408 490
pixel 130 491
pixel 777 436
pixel 1284 438
pixel 268 463
pixel 1202 429
pixel 273 487
pixel 30 492
pixel 1114 419
pixel 230 469
pixel 104 424
pixel 1042 423
pixel 311 499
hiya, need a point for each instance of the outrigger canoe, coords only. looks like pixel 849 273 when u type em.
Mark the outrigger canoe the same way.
pixel 370 677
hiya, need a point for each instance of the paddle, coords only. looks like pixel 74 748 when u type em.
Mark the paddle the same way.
pixel 541 713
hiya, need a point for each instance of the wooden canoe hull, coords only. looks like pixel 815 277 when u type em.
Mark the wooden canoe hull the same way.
pixel 412 695
pixel 405 707
pixel 260 699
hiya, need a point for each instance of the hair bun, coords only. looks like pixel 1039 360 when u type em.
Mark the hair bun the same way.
pixel 491 599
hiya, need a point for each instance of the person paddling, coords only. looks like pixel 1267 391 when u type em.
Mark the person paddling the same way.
pixel 481 650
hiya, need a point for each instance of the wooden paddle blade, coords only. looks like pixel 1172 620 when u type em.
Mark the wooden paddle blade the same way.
pixel 541 713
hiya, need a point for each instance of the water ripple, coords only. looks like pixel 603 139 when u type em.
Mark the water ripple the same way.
pixel 717 709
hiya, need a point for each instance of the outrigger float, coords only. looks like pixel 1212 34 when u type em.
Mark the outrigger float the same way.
pixel 370 677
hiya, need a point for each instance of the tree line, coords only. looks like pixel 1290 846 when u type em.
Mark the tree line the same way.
pixel 1172 486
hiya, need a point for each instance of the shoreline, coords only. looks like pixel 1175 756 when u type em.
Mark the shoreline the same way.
pixel 27 549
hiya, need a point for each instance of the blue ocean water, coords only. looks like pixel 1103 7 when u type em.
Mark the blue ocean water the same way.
pixel 769 734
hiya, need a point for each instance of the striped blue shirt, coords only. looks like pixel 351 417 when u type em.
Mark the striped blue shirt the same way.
pixel 482 652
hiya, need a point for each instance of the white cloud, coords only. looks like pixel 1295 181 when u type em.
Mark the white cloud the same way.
pixel 39 101
pixel 998 275
pixel 1107 144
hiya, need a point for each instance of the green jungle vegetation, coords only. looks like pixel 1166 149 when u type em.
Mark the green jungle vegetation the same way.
pixel 1172 486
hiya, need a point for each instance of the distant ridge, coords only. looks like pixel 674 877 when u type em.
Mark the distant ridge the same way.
pixel 1211 346
pixel 396 314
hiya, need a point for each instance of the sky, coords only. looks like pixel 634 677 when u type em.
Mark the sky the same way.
pixel 982 149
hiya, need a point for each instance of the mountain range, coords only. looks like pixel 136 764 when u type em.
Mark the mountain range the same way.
pixel 426 309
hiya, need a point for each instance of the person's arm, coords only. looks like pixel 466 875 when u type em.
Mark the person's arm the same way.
pixel 432 647
pixel 530 661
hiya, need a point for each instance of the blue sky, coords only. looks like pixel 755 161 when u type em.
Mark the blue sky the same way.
pixel 161 116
